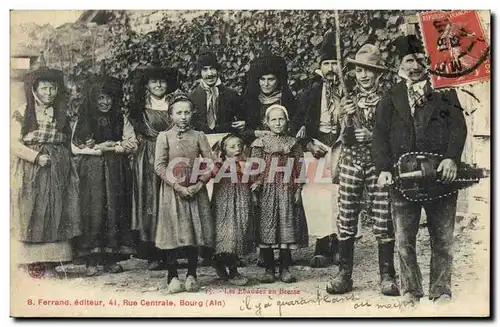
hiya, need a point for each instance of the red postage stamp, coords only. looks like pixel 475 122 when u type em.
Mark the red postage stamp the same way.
pixel 456 45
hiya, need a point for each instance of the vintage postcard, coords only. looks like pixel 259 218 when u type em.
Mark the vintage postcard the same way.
pixel 250 163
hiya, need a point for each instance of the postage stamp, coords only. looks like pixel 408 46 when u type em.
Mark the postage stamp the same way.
pixel 457 47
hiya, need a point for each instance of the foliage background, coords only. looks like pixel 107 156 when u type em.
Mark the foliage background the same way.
pixel 237 37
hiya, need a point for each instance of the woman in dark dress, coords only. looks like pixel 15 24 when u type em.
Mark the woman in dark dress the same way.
pixel 149 117
pixel 45 207
pixel 104 138
pixel 266 84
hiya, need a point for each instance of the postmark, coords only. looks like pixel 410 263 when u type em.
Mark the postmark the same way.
pixel 457 48
pixel 36 270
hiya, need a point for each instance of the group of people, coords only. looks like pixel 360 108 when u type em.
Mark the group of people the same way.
pixel 103 191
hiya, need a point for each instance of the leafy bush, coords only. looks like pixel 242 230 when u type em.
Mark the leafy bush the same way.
pixel 238 37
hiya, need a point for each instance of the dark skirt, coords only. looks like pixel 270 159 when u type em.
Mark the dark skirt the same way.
pixel 146 187
pixel 46 198
pixel 234 219
pixel 45 206
pixel 106 194
pixel 281 222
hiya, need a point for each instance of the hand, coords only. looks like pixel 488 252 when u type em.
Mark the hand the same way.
pixel 128 145
pixel 363 135
pixel 90 143
pixel 348 107
pixel 259 133
pixel 255 198
pixel 106 146
pixel 448 169
pixel 301 134
pixel 109 143
pixel 240 124
pixel 298 196
pixel 385 178
pixel 193 189
pixel 255 187
pixel 183 191
pixel 317 150
pixel 44 160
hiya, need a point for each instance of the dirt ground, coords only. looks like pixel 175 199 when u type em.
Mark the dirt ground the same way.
pixel 136 278
pixel 470 275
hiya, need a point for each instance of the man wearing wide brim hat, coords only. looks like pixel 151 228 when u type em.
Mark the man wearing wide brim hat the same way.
pixel 369 56
pixel 357 173
pixel 413 117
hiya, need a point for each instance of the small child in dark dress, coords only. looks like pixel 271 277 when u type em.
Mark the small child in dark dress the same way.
pixel 232 208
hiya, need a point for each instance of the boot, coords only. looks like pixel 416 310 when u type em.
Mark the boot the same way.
pixel 91 267
pixel 260 261
pixel 206 255
pixel 325 251
pixel 285 261
pixel 113 268
pixel 386 266
pixel 235 277
pixel 156 261
pixel 270 264
pixel 342 282
pixel 219 263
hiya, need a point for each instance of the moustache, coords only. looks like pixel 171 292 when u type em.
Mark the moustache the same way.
pixel 331 74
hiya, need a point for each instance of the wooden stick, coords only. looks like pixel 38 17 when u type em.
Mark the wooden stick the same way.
pixel 339 53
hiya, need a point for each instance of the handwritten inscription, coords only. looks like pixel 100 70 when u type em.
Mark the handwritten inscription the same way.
pixel 270 306
pixel 394 305
pixel 362 304
pixel 258 306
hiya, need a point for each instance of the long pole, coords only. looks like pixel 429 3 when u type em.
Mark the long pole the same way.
pixel 339 53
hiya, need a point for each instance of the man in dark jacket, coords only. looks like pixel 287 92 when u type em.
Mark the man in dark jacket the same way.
pixel 319 105
pixel 414 117
pixel 216 106
pixel 216 111
pixel 319 111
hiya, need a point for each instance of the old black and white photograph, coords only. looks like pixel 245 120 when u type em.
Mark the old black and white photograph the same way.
pixel 250 163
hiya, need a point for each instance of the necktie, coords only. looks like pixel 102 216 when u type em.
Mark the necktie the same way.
pixel 212 105
pixel 330 94
pixel 415 99
pixel 212 95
